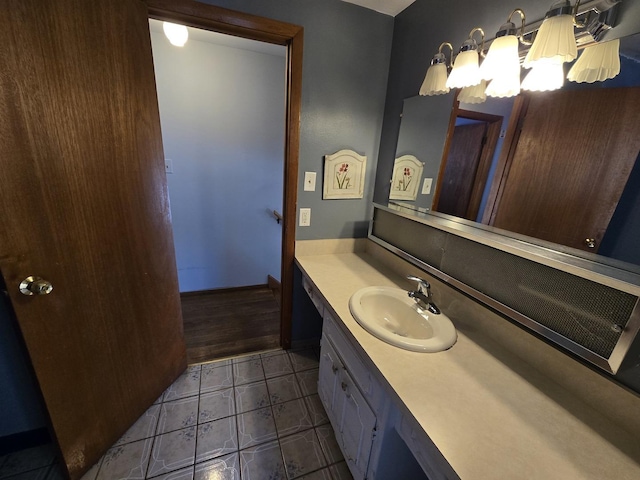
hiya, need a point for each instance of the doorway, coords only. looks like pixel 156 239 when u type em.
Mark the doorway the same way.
pixel 222 111
pixel 469 151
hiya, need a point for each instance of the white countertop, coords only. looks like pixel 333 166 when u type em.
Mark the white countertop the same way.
pixel 491 414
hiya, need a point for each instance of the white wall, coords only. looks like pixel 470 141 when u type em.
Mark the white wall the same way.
pixel 222 112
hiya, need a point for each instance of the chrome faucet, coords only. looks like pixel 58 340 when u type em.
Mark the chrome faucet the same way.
pixel 423 295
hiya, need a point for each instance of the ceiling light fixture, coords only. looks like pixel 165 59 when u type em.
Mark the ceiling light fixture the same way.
pixel 177 34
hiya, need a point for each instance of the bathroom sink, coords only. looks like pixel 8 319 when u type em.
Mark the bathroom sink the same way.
pixel 389 314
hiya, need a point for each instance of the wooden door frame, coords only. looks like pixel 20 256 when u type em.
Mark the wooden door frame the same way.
pixel 494 123
pixel 511 139
pixel 222 20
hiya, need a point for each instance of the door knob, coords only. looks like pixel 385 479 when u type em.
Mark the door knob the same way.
pixel 590 242
pixel 35 286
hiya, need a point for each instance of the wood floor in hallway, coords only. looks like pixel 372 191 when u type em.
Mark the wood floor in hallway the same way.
pixel 230 322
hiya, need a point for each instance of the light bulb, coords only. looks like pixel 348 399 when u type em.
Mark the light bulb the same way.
pixel 544 77
pixel 177 34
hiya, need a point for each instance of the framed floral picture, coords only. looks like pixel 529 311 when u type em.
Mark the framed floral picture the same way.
pixel 407 173
pixel 344 175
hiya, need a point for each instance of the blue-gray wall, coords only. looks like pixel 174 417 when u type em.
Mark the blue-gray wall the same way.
pixel 344 81
pixel 222 111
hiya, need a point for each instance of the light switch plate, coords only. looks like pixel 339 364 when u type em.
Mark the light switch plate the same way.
pixel 426 186
pixel 168 165
pixel 309 181
pixel 305 217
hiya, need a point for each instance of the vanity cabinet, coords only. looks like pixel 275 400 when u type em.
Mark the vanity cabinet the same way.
pixel 376 439
pixel 353 420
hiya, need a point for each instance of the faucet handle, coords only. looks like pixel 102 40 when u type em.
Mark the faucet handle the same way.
pixel 423 285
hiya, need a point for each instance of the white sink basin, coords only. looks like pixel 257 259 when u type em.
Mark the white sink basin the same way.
pixel 389 314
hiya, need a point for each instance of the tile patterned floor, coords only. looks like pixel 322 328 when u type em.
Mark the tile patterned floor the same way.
pixel 254 417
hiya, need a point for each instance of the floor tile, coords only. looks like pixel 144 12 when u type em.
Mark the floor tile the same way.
pixel 214 378
pixel 308 381
pixel 329 445
pixel 217 363
pixel 282 389
pixel 291 417
pixel 302 453
pixel 28 459
pixel 216 438
pixel 177 414
pixel 304 359
pixel 144 427
pixel 251 396
pixel 246 358
pixel 340 471
pixel 276 365
pixel 248 372
pixel 193 368
pixel 182 474
pixel 216 405
pixel 93 471
pixel 317 413
pixel 221 468
pixel 172 451
pixel 272 353
pixel 186 385
pixel 262 462
pixel 127 461
pixel 256 427
pixel 324 474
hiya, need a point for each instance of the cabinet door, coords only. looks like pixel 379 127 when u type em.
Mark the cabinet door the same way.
pixel 357 425
pixel 328 376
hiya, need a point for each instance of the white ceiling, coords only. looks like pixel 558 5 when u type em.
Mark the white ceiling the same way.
pixel 389 7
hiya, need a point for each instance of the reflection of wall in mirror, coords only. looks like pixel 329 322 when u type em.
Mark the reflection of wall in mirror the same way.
pixel 423 126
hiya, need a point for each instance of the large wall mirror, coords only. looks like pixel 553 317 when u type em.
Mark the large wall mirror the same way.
pixel 558 168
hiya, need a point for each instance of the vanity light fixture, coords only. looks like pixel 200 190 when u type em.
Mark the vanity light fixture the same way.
pixel 597 63
pixel 555 41
pixel 466 67
pixel 473 94
pixel 544 77
pixel 435 81
pixel 502 63
pixel 177 34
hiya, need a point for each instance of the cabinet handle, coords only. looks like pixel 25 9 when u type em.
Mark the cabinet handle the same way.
pixel 334 369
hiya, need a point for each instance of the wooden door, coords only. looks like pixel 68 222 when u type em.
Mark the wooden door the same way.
pixel 571 163
pixel 460 169
pixel 84 205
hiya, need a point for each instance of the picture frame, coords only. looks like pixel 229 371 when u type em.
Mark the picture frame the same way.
pixel 407 173
pixel 344 175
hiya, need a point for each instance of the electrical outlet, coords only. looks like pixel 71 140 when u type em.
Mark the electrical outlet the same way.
pixel 426 186
pixel 309 181
pixel 305 217
pixel 168 165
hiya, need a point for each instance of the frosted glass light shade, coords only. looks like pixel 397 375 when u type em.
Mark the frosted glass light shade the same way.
pixel 505 85
pixel 502 58
pixel 554 43
pixel 544 77
pixel 435 82
pixel 177 34
pixel 474 93
pixel 466 71
pixel 597 63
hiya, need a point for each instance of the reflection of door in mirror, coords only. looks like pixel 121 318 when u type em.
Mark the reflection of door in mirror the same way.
pixel 469 150
pixel 573 157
